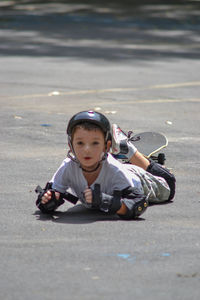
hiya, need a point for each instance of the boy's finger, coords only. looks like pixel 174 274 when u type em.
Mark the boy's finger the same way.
pixel 44 200
pixel 89 199
pixel 87 191
pixel 57 194
pixel 47 196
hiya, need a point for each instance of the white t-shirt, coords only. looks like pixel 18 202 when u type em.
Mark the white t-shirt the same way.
pixel 113 176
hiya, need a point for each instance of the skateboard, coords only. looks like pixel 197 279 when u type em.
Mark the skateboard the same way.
pixel 148 143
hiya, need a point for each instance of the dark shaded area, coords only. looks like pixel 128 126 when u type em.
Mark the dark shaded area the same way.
pixel 114 30
pixel 76 215
pixel 80 215
pixel 117 3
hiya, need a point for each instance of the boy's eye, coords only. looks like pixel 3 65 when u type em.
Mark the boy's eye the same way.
pixel 80 143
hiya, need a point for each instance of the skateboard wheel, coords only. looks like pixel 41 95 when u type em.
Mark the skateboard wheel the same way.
pixel 139 208
pixel 161 158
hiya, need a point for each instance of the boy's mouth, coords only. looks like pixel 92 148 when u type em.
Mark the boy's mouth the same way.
pixel 87 158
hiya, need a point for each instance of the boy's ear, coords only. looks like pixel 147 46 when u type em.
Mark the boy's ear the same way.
pixel 108 146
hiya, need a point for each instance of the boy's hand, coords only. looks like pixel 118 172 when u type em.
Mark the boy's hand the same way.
pixel 48 200
pixel 47 197
pixel 88 195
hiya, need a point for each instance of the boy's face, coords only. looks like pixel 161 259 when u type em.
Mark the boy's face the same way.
pixel 89 146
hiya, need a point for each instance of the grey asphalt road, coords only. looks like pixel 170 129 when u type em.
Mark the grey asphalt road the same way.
pixel 141 68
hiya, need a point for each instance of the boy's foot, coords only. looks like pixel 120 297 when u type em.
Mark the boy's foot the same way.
pixel 121 143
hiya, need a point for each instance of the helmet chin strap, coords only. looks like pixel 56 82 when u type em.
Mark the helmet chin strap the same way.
pixel 91 171
pixel 72 156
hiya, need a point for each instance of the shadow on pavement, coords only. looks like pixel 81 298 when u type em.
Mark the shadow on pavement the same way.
pixel 109 31
pixel 79 215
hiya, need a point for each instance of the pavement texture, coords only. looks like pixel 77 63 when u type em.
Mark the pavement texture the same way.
pixel 140 66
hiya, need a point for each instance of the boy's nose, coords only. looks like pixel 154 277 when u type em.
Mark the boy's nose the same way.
pixel 87 147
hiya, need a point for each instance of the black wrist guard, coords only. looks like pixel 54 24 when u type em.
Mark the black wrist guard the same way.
pixel 106 202
pixel 52 204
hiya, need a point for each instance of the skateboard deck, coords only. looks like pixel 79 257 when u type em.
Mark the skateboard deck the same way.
pixel 149 143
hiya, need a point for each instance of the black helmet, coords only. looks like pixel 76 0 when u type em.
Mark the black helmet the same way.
pixel 92 117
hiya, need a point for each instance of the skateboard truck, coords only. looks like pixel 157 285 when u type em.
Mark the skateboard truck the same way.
pixel 160 158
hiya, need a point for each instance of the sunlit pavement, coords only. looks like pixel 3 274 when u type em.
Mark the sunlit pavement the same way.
pixel 139 66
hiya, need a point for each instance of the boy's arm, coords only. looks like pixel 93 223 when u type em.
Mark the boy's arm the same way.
pixel 128 203
pixel 122 210
pixel 135 202
pixel 55 199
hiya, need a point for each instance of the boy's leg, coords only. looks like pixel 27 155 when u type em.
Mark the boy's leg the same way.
pixel 121 144
pixel 138 159
pixel 158 170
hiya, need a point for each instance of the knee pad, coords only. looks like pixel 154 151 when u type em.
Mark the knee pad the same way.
pixel 157 170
